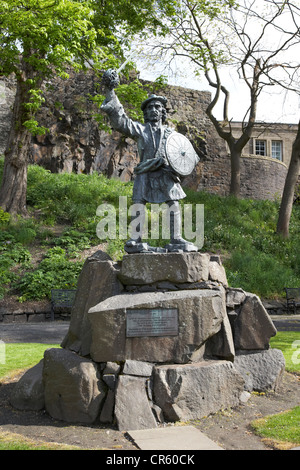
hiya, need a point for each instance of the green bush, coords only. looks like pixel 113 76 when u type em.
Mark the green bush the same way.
pixel 4 217
pixel 54 272
pixel 259 272
pixel 13 259
pixel 71 198
pixel 73 242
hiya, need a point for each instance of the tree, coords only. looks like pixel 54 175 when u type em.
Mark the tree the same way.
pixel 236 35
pixel 42 38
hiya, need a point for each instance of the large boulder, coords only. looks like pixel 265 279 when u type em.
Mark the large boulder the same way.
pixel 28 392
pixel 73 389
pixel 192 391
pixel 97 281
pixel 221 345
pixel 192 316
pixel 217 271
pixel 262 370
pixel 253 327
pixel 132 406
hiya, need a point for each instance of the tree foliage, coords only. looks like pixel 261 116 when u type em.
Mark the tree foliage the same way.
pixel 40 39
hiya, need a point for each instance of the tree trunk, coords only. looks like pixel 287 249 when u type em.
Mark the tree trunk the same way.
pixel 14 182
pixel 235 182
pixel 286 205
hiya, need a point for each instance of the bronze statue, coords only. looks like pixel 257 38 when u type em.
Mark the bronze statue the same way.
pixel 165 156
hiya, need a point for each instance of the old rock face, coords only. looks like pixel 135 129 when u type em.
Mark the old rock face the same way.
pixel 192 391
pixel 200 315
pixel 73 389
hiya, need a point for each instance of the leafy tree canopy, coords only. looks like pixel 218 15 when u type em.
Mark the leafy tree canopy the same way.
pixel 40 38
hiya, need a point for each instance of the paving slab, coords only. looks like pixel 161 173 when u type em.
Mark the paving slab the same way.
pixel 173 438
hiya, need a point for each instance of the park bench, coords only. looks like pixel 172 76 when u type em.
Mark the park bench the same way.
pixel 61 298
pixel 292 298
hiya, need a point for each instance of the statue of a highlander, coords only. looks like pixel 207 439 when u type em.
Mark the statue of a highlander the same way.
pixel 165 156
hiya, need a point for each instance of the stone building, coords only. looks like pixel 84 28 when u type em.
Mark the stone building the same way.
pixel 74 142
pixel 266 158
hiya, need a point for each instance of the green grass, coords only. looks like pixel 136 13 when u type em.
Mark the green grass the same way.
pixel 244 232
pixel 289 343
pixel 282 430
pixel 19 356
pixel 13 441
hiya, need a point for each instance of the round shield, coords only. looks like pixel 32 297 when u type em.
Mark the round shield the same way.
pixel 181 154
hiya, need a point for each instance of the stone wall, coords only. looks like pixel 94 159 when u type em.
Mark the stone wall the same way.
pixel 262 177
pixel 75 142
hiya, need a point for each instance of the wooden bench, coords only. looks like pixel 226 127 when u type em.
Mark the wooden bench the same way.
pixel 62 298
pixel 292 298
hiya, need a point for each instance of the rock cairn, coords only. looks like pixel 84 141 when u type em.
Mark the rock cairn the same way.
pixel 156 338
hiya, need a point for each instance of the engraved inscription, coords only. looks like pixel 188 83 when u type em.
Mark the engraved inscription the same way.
pixel 152 322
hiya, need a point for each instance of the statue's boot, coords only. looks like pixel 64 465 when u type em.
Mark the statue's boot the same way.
pixel 136 228
pixel 176 240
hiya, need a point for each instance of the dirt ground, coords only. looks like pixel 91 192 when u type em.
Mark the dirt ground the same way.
pixel 231 429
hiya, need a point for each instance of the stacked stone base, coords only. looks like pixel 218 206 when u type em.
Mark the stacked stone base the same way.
pixel 197 346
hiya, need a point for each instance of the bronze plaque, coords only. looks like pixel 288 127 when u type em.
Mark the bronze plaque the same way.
pixel 152 322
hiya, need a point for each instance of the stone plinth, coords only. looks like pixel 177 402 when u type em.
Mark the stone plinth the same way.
pixel 139 268
pixel 200 316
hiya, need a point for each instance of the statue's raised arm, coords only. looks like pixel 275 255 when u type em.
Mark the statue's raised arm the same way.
pixel 114 109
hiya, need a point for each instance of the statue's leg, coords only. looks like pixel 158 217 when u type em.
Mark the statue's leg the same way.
pixel 177 243
pixel 175 223
pixel 136 225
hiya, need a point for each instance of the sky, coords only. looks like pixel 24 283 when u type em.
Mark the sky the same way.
pixel 274 106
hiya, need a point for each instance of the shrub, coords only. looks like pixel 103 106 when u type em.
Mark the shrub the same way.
pixel 54 272
pixel 12 255
pixel 259 272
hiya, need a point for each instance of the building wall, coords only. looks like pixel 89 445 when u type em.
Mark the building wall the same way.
pixel 284 134
pixel 262 177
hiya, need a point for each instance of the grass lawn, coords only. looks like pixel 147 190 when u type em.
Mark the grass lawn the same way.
pixel 281 430
pixel 289 343
pixel 12 441
pixel 19 356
